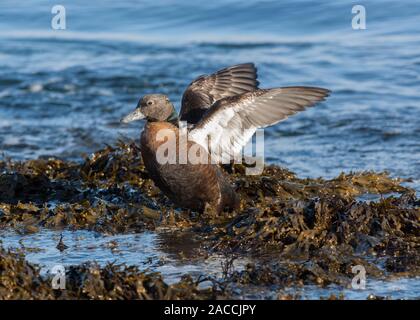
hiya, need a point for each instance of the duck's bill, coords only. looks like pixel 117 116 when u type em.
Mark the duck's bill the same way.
pixel 133 116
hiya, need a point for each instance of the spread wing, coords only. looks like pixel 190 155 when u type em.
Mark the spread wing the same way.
pixel 207 89
pixel 229 124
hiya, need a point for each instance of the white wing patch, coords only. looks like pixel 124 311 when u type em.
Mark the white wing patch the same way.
pixel 224 137
pixel 224 132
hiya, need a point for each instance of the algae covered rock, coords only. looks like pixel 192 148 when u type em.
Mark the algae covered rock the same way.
pixel 298 230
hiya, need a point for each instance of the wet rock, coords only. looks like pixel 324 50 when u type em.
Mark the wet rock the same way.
pixel 61 246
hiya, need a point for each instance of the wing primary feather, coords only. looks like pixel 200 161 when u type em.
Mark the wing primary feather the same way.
pixel 238 117
pixel 207 89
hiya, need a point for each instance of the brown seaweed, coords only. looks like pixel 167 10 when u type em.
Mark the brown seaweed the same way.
pixel 22 280
pixel 300 231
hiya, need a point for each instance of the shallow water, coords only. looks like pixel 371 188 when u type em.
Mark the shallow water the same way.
pixel 62 93
pixel 174 255
pixel 171 254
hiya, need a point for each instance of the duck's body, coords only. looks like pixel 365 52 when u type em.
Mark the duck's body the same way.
pixel 193 186
pixel 223 111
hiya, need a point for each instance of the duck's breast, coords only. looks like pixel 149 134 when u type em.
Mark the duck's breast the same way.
pixel 188 185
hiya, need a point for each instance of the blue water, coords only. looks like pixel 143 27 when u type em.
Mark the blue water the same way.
pixel 173 256
pixel 62 92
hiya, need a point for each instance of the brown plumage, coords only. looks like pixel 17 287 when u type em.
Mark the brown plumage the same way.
pixel 223 111
pixel 188 185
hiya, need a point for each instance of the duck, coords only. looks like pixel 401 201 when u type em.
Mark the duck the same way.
pixel 220 113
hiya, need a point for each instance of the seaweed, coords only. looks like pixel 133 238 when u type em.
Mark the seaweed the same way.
pixel 300 231
pixel 22 280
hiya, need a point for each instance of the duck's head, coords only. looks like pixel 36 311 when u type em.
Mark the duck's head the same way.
pixel 153 107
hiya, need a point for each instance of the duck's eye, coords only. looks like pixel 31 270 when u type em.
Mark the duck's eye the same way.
pixel 167 100
pixel 149 103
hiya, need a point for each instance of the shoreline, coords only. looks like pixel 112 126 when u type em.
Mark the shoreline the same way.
pixel 299 232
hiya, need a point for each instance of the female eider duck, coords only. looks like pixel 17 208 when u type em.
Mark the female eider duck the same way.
pixel 223 111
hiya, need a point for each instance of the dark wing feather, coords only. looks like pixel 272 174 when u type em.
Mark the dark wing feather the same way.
pixel 229 124
pixel 207 89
